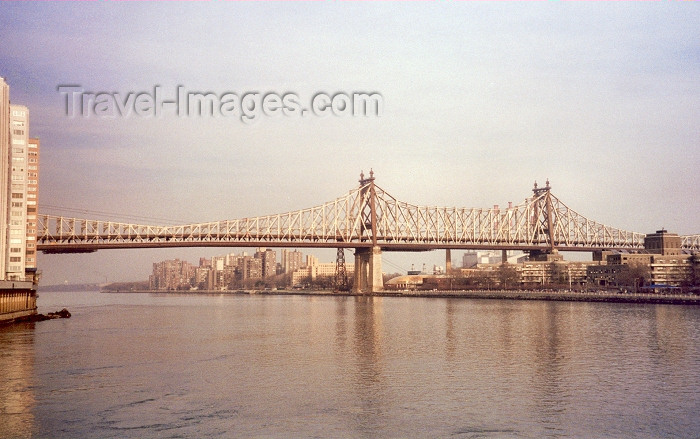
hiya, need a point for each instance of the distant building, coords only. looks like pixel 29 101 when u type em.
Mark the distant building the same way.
pixel 32 202
pixel 311 260
pixel 250 268
pixel 409 282
pixel 268 261
pixel 327 269
pixel 663 243
pixel 318 270
pixel 201 277
pixel 674 270
pixel 172 275
pixel 291 260
pixel 231 259
pixel 218 262
pixel 470 259
pixel 663 264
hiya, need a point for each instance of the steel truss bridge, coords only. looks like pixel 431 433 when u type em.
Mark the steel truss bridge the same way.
pixel 369 220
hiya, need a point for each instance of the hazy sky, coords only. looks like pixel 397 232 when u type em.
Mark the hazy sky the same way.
pixel 480 100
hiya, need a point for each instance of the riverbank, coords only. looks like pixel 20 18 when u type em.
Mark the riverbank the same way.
pixel 570 296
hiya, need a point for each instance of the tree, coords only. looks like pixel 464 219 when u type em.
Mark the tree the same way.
pixel 482 279
pixel 634 276
pixel 507 276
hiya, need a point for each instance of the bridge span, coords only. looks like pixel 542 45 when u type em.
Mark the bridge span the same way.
pixel 369 220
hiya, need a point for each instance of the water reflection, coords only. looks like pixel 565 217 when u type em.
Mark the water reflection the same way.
pixel 549 361
pixel 16 380
pixel 450 332
pixel 270 366
pixel 369 381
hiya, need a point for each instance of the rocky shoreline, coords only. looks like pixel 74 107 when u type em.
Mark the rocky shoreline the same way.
pixel 62 314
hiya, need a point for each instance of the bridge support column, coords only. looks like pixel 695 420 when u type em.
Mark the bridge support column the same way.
pixel 368 270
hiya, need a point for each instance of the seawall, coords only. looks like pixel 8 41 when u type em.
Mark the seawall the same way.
pixel 17 300
pixel 570 296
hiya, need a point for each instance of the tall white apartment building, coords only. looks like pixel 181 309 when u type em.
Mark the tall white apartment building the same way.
pixel 4 172
pixel 17 227
pixel 18 281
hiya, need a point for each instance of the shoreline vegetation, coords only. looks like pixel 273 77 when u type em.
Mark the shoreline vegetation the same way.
pixel 552 295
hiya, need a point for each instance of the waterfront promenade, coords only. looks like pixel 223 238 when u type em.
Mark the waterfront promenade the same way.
pixel 570 296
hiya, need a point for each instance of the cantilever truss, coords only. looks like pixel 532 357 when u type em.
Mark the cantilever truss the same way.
pixel 541 222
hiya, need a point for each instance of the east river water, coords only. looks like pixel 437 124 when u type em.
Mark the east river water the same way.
pixel 203 366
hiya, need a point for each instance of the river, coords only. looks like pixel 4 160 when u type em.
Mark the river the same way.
pixel 207 366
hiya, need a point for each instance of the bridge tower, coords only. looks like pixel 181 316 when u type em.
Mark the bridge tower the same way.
pixel 368 261
pixel 544 223
pixel 341 273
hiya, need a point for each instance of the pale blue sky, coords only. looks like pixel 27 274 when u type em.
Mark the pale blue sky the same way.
pixel 480 99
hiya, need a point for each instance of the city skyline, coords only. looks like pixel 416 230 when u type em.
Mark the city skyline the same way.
pixel 479 101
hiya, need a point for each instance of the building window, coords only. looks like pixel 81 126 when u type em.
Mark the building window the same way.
pixel 15 250
pixel 17 195
pixel 17 204
pixel 15 259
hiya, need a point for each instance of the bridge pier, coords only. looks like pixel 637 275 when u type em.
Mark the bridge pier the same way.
pixel 368 270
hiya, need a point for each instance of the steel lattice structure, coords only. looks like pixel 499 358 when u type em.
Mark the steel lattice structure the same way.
pixel 365 217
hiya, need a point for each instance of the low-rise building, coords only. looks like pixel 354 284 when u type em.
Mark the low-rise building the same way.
pixel 311 273
pixel 661 264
